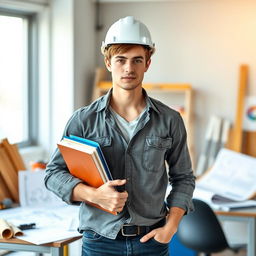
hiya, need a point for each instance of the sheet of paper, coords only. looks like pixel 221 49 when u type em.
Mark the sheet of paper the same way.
pixel 52 223
pixel 47 235
pixel 233 176
pixel 219 203
pixel 32 191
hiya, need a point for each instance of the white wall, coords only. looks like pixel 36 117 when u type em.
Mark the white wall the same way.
pixel 72 61
pixel 84 51
pixel 61 66
pixel 200 42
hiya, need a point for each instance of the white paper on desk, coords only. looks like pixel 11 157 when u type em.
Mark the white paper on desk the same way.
pixel 47 235
pixel 221 203
pixel 233 176
pixel 32 191
pixel 52 224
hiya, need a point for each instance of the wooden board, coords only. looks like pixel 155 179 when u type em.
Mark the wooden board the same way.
pixel 9 174
pixel 14 155
pixel 4 191
pixel 238 126
pixel 249 145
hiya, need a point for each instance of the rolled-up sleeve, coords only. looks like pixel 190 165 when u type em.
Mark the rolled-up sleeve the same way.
pixel 181 175
pixel 58 178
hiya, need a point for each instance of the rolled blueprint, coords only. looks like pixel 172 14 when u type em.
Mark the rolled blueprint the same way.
pixel 15 230
pixel 6 231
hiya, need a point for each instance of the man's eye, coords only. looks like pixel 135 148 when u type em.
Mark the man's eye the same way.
pixel 138 61
pixel 120 60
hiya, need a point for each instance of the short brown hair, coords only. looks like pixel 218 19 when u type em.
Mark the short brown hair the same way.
pixel 122 48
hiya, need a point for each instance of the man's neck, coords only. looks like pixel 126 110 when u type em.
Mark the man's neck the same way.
pixel 128 103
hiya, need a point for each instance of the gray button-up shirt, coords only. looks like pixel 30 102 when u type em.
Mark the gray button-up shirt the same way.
pixel 156 153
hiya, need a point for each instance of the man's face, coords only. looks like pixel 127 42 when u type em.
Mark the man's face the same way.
pixel 128 68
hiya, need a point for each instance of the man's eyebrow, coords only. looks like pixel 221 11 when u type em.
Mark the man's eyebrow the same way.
pixel 138 57
pixel 123 57
pixel 120 57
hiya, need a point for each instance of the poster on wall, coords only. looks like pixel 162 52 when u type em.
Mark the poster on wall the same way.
pixel 250 114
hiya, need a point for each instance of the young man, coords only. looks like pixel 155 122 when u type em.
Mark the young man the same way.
pixel 138 135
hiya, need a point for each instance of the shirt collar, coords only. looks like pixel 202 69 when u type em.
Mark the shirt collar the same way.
pixel 149 102
pixel 104 101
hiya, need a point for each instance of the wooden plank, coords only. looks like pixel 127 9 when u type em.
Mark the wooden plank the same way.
pixel 57 244
pixel 245 212
pixel 14 155
pixel 4 191
pixel 249 146
pixel 105 85
pixel 9 174
pixel 237 138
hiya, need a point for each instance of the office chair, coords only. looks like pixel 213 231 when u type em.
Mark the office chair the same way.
pixel 202 232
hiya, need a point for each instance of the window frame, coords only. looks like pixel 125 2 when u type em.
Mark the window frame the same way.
pixel 32 73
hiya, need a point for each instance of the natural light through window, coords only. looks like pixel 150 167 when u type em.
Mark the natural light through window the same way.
pixel 13 79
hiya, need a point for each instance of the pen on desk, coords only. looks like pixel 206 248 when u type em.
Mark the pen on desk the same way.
pixel 27 226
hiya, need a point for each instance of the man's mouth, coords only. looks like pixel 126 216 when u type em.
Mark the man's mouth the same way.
pixel 128 77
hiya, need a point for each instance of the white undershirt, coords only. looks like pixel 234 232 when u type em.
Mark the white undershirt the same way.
pixel 127 128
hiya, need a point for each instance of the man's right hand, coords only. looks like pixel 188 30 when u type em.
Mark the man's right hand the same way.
pixel 106 195
pixel 109 198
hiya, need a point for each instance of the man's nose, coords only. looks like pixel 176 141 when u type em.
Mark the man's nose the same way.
pixel 129 67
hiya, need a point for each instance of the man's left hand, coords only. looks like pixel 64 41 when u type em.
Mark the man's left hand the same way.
pixel 161 235
pixel 164 234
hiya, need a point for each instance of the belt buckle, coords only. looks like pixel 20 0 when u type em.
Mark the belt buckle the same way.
pixel 135 234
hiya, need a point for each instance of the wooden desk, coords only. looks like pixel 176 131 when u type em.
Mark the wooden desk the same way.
pixel 247 215
pixel 54 248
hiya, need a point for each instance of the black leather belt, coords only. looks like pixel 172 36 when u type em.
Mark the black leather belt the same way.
pixel 132 230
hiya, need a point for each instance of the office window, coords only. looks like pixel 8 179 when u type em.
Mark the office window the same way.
pixel 17 79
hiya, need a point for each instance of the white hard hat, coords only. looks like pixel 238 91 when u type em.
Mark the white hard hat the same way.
pixel 128 31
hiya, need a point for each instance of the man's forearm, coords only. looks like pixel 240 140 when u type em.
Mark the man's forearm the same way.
pixel 82 192
pixel 173 219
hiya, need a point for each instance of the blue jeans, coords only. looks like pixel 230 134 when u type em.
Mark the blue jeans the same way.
pixel 97 245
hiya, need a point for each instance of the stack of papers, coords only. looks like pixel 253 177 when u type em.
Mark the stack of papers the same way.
pixel 230 184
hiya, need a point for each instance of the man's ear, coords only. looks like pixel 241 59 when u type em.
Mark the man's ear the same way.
pixel 108 64
pixel 147 65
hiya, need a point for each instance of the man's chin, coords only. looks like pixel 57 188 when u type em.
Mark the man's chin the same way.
pixel 129 86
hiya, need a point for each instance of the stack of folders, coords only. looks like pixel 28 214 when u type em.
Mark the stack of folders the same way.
pixel 85 160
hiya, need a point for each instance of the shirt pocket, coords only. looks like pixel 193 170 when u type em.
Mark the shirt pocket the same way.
pixel 154 152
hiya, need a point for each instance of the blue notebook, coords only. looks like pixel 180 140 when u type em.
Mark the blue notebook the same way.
pixel 100 153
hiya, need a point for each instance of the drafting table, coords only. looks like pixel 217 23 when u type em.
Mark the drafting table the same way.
pixel 247 215
pixel 54 248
